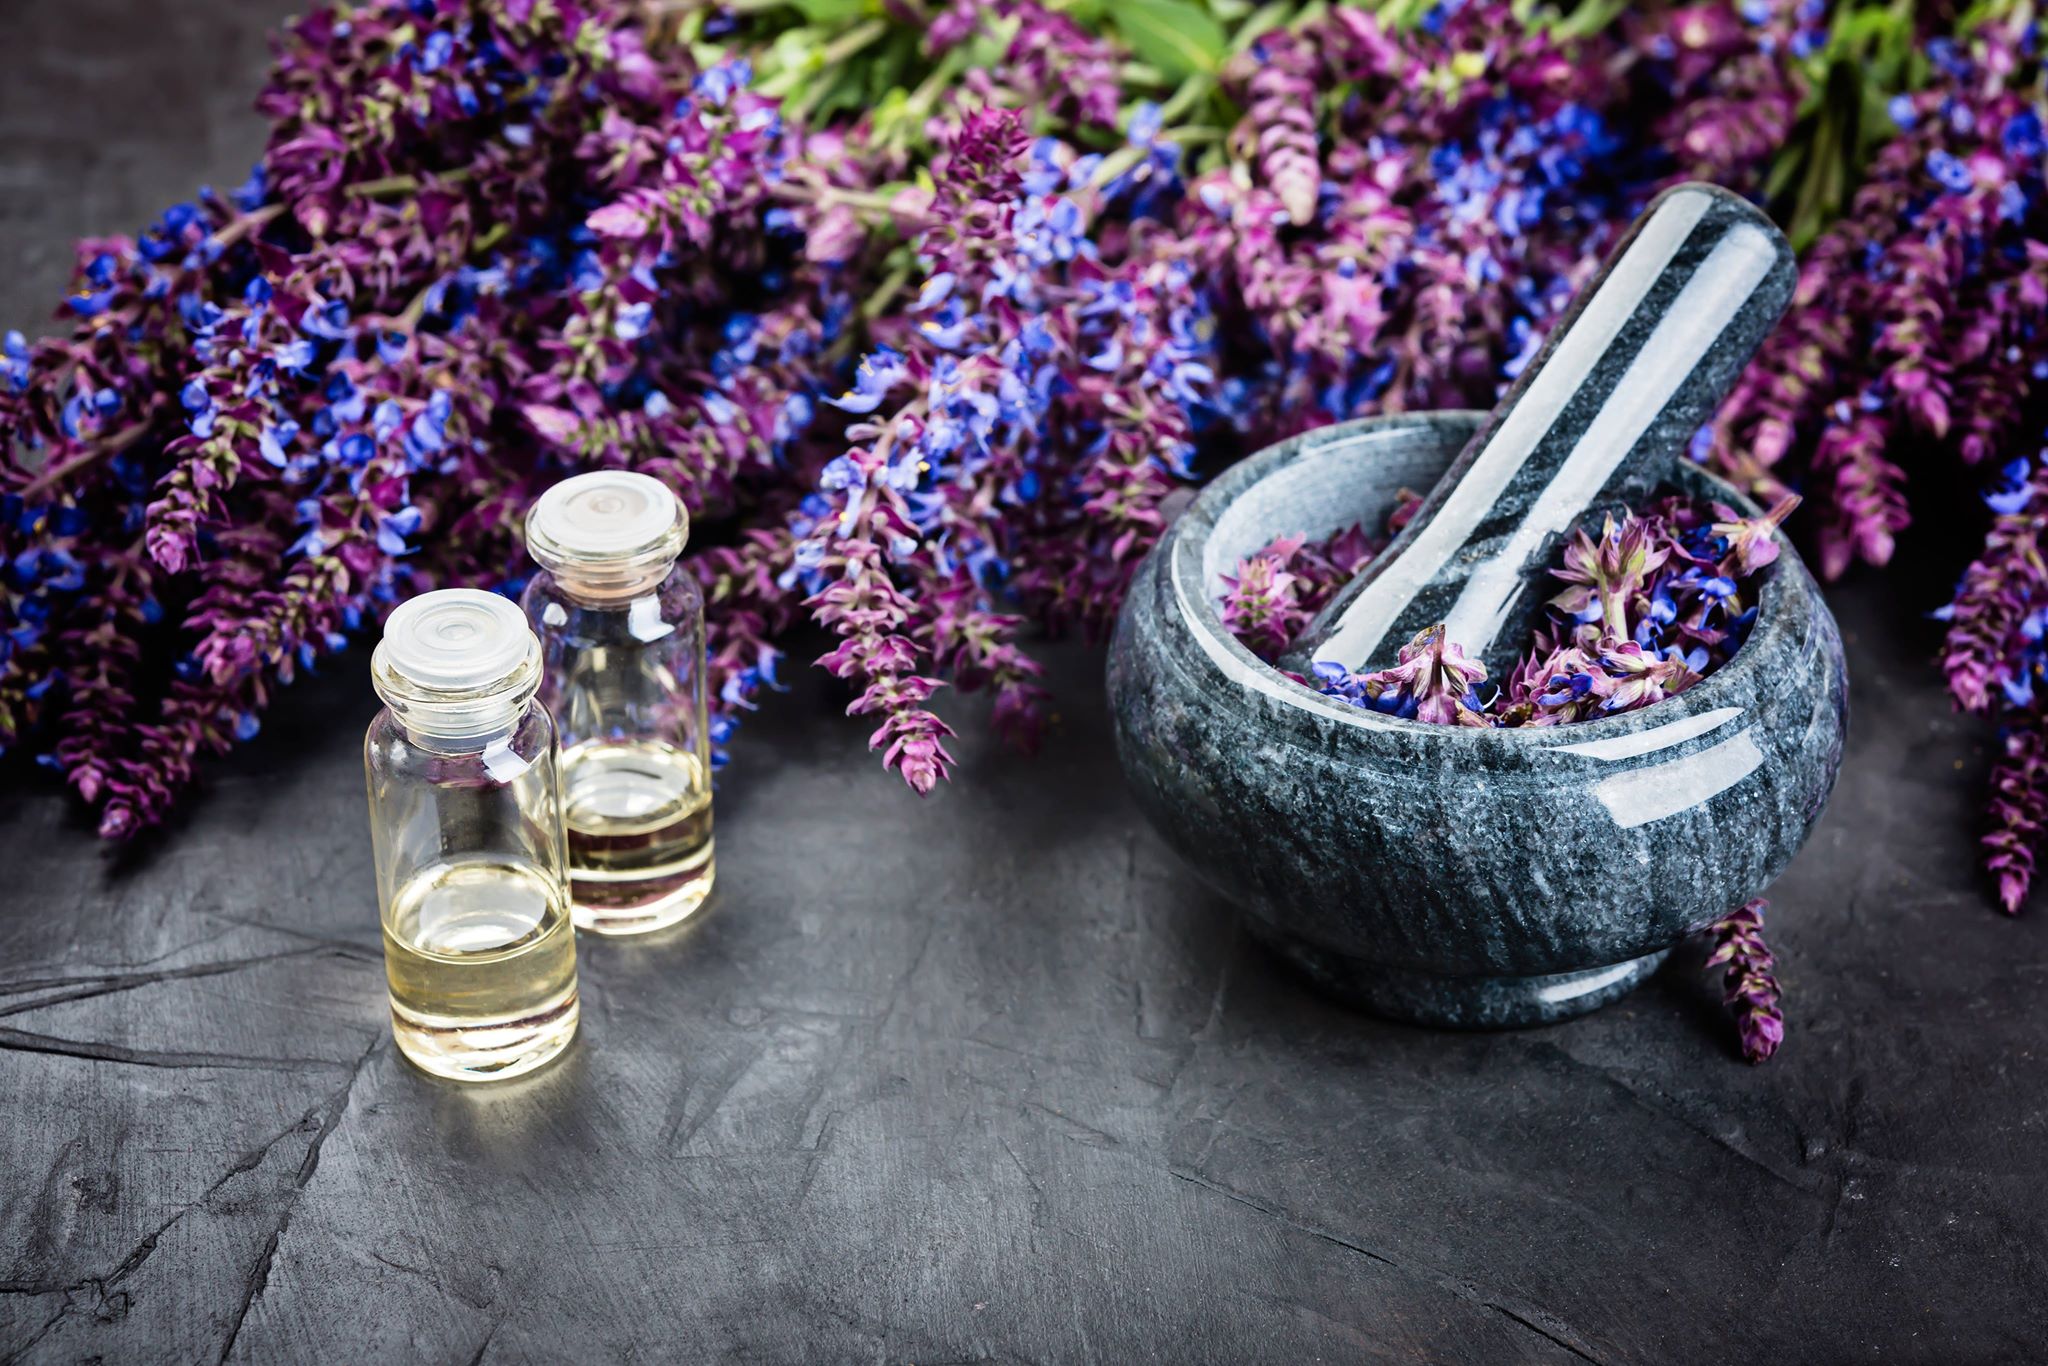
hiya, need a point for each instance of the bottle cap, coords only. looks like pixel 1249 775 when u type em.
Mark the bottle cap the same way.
pixel 608 532
pixel 457 662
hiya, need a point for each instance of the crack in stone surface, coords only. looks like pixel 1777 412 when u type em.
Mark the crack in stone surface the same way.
pixel 108 984
pixel 336 1107
pixel 1665 1107
pixel 1451 1285
pixel 18 1041
pixel 141 1253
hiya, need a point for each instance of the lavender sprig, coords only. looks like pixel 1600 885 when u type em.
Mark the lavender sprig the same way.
pixel 1749 988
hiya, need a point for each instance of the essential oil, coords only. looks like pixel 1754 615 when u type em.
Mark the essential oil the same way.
pixel 466 818
pixel 639 821
pixel 621 627
pixel 481 957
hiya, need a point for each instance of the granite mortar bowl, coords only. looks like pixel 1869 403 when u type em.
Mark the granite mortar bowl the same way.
pixel 1446 875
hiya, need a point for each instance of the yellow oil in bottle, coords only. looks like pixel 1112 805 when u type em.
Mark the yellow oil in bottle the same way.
pixel 639 822
pixel 481 959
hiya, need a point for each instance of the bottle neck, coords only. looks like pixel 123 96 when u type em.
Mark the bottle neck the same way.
pixel 458 722
pixel 474 727
pixel 611 585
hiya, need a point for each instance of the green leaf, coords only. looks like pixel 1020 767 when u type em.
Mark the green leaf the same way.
pixel 831 11
pixel 1177 37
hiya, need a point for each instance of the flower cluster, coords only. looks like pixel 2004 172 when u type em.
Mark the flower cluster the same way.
pixel 1279 587
pixel 1749 989
pixel 1650 606
pixel 926 311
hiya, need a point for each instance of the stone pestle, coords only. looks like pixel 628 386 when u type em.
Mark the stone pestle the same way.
pixel 1642 358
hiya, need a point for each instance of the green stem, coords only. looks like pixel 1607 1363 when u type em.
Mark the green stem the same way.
pixel 833 55
pixel 1192 91
pixel 393 185
pixel 886 292
pixel 248 224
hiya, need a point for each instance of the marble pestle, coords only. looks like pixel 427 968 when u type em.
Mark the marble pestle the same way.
pixel 1641 359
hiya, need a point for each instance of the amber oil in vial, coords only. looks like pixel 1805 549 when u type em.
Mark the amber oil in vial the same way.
pixel 481 960
pixel 639 819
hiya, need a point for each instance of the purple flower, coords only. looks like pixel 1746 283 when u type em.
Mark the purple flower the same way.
pixel 1750 990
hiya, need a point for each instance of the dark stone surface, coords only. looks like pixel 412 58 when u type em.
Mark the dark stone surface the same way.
pixel 984 1077
pixel 1446 874
pixel 1603 413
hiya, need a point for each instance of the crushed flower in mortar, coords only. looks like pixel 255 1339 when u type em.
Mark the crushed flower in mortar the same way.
pixel 1650 606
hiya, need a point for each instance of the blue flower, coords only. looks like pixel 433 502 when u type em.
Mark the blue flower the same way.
pixel 1044 175
pixel 2022 137
pixel 202 316
pixel 15 351
pixel 346 402
pixel 393 528
pixel 61 571
pixel 428 434
pixel 435 53
pixel 586 272
pixel 246 726
pixel 718 84
pixel 86 407
pixel 878 373
pixel 1045 235
pixel 273 440
pixel 249 195
pixel 2014 489
pixel 328 321
pixel 632 321
pixel 1950 171
pixel 951 327
pixel 296 355
pixel 938 287
pixel 1566 689
pixel 1008 281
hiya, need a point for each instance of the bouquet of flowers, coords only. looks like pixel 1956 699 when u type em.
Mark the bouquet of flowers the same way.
pixel 926 309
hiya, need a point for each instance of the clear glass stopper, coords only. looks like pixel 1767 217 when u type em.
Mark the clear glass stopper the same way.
pixel 457 663
pixel 608 534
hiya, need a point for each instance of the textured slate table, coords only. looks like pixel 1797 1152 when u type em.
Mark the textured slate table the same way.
pixel 986 1077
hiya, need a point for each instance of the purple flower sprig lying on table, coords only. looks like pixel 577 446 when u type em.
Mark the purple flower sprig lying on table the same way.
pixel 1750 989
pixel 1650 606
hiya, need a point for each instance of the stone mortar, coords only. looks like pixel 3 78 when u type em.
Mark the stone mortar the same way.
pixel 1446 875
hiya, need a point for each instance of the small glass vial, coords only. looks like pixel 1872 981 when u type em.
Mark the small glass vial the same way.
pixel 622 646
pixel 479 946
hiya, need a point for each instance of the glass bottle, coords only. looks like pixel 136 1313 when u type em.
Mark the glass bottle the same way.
pixel 622 643
pixel 465 816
